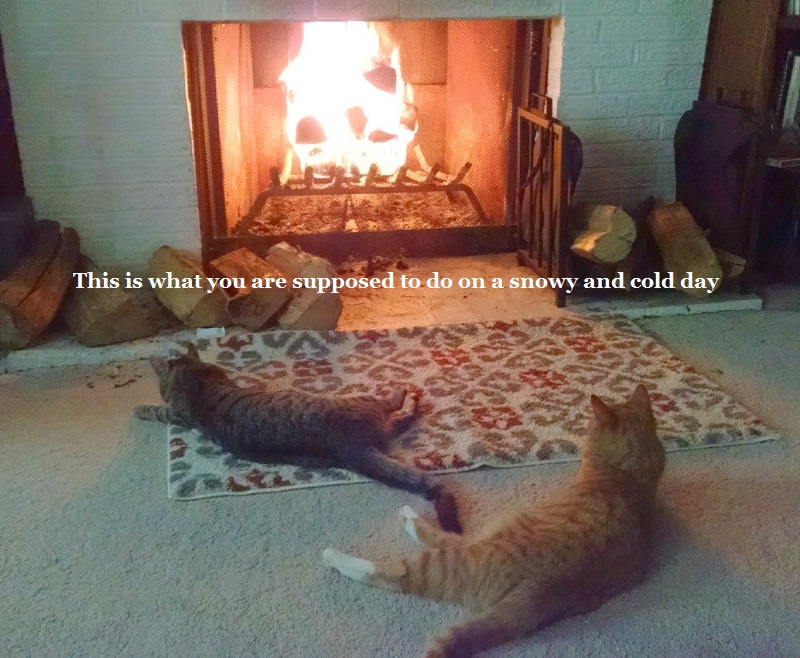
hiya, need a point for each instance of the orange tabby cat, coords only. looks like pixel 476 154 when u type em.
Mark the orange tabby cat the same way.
pixel 565 558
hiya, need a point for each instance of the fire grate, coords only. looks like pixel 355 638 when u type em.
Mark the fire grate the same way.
pixel 348 215
pixel 255 189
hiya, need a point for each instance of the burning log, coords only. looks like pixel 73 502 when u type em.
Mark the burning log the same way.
pixel 357 119
pixel 288 164
pixel 310 131
pixel 381 136
pixel 408 117
pixel 308 309
pixel 382 77
pixel 33 291
pixel 192 305
pixel 308 177
pixel 103 316
pixel 423 163
pixel 252 307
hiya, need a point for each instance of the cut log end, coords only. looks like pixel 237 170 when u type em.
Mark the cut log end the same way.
pixel 193 306
pixel 32 293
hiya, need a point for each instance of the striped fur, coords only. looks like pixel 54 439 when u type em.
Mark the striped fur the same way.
pixel 288 426
pixel 533 567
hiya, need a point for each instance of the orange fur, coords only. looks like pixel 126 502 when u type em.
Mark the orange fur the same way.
pixel 536 566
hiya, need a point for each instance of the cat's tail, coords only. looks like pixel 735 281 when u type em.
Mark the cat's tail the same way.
pixel 376 465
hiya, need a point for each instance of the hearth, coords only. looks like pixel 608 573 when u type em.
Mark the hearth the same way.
pixel 360 139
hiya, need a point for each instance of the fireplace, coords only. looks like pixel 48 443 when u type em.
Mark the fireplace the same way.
pixel 99 103
pixel 360 138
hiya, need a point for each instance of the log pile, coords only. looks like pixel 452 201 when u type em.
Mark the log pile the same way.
pixel 308 309
pixel 252 307
pixel 263 295
pixel 53 279
pixel 607 236
pixel 649 240
pixel 103 316
pixel 683 246
pixel 180 293
pixel 32 292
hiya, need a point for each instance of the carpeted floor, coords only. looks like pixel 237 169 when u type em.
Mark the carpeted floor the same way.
pixel 96 561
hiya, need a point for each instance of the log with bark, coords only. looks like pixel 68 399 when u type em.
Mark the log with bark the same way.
pixel 307 309
pixel 190 304
pixel 683 246
pixel 607 234
pixel 32 293
pixel 103 316
pixel 253 307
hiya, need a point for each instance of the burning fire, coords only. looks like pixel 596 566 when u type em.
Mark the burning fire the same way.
pixel 347 103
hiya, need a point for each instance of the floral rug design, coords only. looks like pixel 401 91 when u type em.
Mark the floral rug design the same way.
pixel 497 394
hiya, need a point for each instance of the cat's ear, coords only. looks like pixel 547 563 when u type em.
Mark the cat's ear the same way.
pixel 640 398
pixel 160 365
pixel 602 412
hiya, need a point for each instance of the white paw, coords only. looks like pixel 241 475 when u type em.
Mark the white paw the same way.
pixel 351 567
pixel 407 516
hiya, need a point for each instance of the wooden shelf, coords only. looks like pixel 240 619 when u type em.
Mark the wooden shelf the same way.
pixel 789 23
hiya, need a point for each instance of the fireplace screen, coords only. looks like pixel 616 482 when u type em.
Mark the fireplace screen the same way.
pixel 324 132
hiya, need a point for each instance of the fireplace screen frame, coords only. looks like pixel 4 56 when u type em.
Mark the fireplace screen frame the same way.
pixel 529 76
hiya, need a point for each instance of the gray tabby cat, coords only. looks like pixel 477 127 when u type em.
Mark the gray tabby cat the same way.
pixel 288 426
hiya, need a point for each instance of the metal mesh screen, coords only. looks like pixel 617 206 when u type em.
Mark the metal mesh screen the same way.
pixel 456 81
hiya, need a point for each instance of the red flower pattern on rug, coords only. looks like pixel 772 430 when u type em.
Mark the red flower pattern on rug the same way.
pixel 663 402
pixel 539 378
pixel 450 357
pixel 312 368
pixel 496 418
pixel 493 394
pixel 585 344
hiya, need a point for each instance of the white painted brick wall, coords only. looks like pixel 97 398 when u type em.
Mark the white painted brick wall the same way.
pixel 646 56
pixel 98 97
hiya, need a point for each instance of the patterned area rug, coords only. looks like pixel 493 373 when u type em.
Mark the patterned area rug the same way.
pixel 496 394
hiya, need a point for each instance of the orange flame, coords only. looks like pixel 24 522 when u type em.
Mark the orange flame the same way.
pixel 346 101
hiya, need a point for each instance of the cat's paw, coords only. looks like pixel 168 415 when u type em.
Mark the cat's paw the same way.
pixel 408 518
pixel 354 568
pixel 396 397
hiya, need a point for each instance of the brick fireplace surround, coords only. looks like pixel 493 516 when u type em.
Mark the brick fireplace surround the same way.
pixel 100 110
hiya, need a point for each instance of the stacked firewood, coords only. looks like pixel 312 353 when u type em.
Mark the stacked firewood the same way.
pixel 649 239
pixel 41 287
pixel 273 301
pixel 32 292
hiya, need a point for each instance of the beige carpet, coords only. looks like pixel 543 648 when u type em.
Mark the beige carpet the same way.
pixel 97 562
